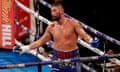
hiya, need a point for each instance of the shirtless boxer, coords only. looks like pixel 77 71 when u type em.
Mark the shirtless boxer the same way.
pixel 65 33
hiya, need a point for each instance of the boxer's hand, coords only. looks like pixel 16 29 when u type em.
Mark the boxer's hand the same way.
pixel 95 42
pixel 21 49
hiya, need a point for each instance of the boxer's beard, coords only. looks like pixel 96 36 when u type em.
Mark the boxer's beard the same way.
pixel 56 18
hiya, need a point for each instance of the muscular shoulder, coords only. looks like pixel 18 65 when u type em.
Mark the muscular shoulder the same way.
pixel 74 22
pixel 50 26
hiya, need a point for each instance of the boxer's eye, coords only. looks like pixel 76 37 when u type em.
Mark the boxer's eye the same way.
pixel 54 10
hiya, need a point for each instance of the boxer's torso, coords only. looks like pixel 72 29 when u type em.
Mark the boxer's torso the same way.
pixel 64 35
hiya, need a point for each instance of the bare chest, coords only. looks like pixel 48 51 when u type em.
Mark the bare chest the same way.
pixel 63 31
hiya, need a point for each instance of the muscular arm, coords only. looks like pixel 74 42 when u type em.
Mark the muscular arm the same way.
pixel 46 37
pixel 80 31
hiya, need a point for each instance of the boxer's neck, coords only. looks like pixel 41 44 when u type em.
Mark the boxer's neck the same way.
pixel 62 20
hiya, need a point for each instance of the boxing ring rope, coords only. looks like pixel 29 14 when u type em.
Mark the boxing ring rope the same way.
pixel 88 68
pixel 108 65
pixel 59 61
pixel 32 12
pixel 89 28
pixel 48 22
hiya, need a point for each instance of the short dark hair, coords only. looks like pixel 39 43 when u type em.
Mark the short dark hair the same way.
pixel 58 1
pixel 57 4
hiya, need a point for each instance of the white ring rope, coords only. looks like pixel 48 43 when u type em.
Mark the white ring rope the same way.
pixel 32 12
pixel 108 65
pixel 48 22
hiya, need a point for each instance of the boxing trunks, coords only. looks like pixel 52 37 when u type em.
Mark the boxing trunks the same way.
pixel 66 67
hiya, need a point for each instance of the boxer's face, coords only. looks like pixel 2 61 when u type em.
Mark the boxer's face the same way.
pixel 55 13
